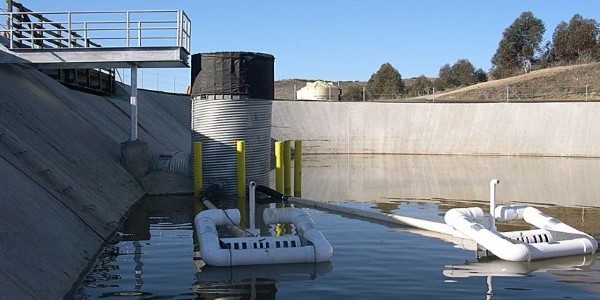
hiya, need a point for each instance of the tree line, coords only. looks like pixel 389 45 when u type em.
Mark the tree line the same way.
pixel 520 50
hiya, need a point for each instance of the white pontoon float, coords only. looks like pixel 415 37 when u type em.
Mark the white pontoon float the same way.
pixel 551 238
pixel 308 246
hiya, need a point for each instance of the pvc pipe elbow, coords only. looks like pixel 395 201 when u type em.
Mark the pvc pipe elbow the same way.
pixel 220 216
pixel 510 212
pixel 471 213
pixel 515 252
pixel 323 249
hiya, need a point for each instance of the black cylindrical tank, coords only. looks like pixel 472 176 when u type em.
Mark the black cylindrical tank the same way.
pixel 233 73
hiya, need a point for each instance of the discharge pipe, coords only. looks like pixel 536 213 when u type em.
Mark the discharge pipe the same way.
pixel 382 217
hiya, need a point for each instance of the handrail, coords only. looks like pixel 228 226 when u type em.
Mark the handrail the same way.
pixel 27 29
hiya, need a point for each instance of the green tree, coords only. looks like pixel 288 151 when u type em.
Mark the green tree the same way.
pixel 443 80
pixel 575 41
pixel 353 92
pixel 461 73
pixel 385 83
pixel 421 86
pixel 480 75
pixel 519 45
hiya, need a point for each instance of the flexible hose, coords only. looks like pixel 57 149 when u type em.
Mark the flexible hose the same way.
pixel 272 193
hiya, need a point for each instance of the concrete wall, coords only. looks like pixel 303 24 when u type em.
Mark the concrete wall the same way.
pixel 63 191
pixel 540 129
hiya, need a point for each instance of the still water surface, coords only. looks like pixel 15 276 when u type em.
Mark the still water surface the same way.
pixel 155 259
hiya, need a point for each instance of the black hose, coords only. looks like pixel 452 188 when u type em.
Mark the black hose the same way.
pixel 272 193
pixel 211 193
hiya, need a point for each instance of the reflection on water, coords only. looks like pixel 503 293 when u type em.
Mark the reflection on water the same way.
pixel 255 282
pixel 157 258
pixel 574 269
pixel 557 181
pixel 495 267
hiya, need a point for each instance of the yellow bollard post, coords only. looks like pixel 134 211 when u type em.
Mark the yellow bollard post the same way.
pixel 298 169
pixel 287 167
pixel 241 169
pixel 279 166
pixel 197 169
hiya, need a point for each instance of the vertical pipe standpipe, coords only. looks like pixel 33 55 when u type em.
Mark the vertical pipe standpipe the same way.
pixel 241 169
pixel 493 184
pixel 298 169
pixel 279 166
pixel 197 169
pixel 287 167
pixel 133 103
pixel 252 206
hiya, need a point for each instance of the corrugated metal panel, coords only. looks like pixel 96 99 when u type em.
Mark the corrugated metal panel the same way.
pixel 219 123
pixel 174 162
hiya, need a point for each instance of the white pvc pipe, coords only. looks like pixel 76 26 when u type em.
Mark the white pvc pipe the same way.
pixel 206 227
pixel 305 227
pixel 467 221
pixel 252 204
pixel 493 184
pixel 537 218
pixel 382 217
pixel 260 250
pixel 236 230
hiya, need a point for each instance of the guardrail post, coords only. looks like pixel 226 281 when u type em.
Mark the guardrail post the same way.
pixel 32 35
pixel 85 34
pixel 127 28
pixel 69 29
pixel 139 34
pixel 179 27
pixel 12 29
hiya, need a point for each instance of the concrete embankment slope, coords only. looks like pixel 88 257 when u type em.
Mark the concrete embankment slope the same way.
pixel 539 129
pixel 63 190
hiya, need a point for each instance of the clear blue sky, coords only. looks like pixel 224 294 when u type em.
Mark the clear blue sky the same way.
pixel 350 39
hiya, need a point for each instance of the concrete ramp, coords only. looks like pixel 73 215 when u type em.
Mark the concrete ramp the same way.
pixel 63 189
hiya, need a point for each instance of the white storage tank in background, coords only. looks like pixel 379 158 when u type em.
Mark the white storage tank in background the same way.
pixel 319 90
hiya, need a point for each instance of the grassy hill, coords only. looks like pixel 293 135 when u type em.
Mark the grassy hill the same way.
pixel 559 83
pixel 567 83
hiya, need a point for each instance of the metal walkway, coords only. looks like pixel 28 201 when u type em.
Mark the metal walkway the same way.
pixel 97 39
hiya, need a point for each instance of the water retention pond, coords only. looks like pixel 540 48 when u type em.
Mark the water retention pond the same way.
pixel 157 256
